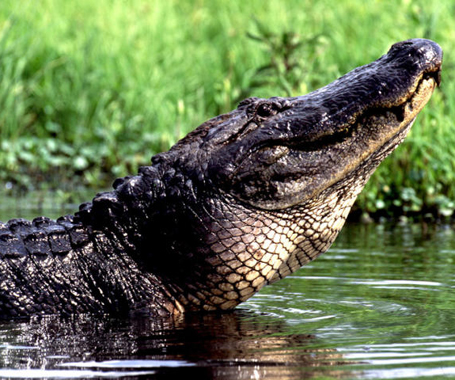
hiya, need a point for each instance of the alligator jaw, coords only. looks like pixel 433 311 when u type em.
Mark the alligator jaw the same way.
pixel 421 96
pixel 402 115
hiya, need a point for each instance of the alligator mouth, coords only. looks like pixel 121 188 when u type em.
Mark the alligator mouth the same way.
pixel 400 116
pixel 407 110
pixel 424 88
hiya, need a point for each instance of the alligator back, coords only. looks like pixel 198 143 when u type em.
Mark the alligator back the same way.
pixel 50 267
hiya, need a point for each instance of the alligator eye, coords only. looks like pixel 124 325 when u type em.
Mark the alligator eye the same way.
pixel 267 109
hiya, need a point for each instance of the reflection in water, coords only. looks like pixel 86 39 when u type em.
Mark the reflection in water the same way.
pixel 238 345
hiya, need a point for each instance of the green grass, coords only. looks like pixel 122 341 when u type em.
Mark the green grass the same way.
pixel 89 90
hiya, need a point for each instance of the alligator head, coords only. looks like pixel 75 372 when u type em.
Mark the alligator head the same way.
pixel 251 196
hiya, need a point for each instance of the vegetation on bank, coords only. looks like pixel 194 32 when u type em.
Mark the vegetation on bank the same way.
pixel 90 90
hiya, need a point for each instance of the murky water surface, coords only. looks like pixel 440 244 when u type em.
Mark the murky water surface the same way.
pixel 379 305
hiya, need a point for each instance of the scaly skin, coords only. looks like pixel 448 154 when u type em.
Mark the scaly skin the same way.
pixel 241 202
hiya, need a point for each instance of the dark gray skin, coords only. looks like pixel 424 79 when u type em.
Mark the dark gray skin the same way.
pixel 241 202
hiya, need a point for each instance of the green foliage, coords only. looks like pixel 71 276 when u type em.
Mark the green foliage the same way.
pixel 292 58
pixel 90 90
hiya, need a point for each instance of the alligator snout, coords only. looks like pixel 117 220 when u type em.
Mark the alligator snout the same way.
pixel 425 54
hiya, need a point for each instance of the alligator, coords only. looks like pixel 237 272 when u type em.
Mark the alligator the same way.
pixel 242 201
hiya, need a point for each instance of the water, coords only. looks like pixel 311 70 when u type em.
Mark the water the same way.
pixel 379 305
